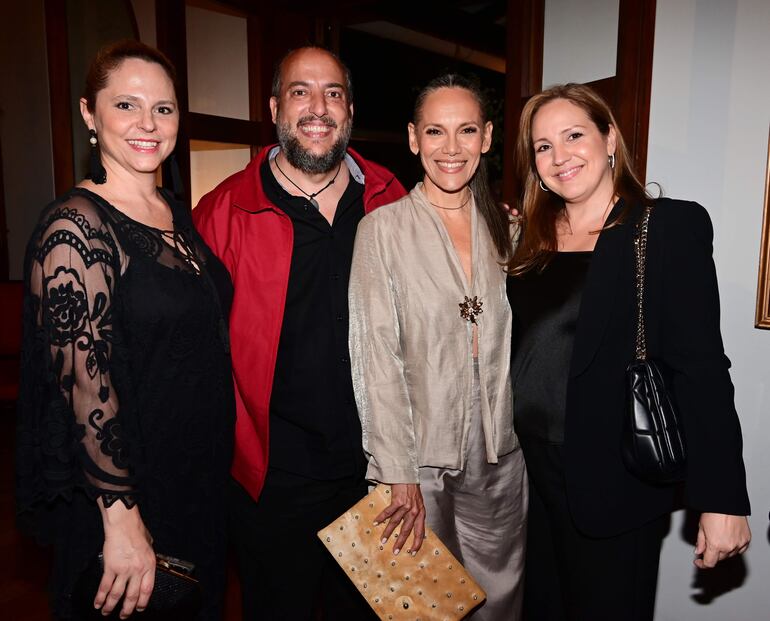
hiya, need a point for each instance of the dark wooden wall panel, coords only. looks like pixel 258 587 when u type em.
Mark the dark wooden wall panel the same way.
pixel 171 34
pixel 631 104
pixel 524 74
pixel 4 257
pixel 61 98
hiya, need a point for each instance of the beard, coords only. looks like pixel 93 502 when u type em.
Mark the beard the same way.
pixel 303 159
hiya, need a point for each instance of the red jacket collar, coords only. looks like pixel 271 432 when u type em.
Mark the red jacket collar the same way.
pixel 249 195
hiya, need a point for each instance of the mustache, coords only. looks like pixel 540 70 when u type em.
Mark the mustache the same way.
pixel 325 119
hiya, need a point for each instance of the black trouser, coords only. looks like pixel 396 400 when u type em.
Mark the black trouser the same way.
pixel 285 571
pixel 570 576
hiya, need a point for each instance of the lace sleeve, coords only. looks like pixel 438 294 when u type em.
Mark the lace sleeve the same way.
pixel 72 265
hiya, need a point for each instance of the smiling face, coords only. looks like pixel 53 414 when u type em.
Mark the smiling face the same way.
pixel 571 153
pixel 312 113
pixel 450 135
pixel 135 117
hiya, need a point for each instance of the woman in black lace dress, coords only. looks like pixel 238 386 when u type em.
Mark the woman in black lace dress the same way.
pixel 126 412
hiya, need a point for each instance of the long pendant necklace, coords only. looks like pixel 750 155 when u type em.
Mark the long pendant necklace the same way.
pixel 311 197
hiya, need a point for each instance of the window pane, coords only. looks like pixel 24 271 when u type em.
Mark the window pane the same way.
pixel 570 53
pixel 212 162
pixel 217 63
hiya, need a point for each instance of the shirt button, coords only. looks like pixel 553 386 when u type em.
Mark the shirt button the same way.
pixel 335 276
pixel 344 360
pixel 340 317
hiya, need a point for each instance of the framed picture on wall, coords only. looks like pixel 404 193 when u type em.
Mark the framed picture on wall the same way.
pixel 762 319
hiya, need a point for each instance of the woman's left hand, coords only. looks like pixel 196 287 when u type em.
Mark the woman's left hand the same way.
pixel 129 561
pixel 720 536
pixel 406 508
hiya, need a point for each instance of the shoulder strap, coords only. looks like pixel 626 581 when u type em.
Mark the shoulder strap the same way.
pixel 640 246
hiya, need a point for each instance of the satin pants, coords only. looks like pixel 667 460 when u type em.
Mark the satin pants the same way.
pixel 480 515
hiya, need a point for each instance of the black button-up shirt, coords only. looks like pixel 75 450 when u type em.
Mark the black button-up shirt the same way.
pixel 314 426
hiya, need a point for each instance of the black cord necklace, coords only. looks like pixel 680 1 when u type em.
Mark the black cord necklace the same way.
pixel 312 196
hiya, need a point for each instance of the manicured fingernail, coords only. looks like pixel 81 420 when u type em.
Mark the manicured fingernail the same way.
pixel 383 541
pixel 414 553
pixel 395 552
pixel 376 523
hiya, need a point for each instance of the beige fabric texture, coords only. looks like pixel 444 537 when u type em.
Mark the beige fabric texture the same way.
pixel 430 585
pixel 411 351
pixel 480 513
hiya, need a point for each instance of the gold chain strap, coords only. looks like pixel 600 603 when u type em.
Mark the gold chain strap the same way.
pixel 640 245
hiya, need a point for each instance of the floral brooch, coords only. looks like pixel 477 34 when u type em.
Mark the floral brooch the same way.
pixel 470 308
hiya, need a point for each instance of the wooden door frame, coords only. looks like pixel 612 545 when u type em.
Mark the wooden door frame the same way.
pixel 4 250
pixel 57 49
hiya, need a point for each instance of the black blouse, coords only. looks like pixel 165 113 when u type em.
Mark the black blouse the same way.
pixel 314 427
pixel 545 307
pixel 126 390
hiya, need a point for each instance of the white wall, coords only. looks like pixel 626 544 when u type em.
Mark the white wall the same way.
pixel 217 63
pixel 210 163
pixel 708 142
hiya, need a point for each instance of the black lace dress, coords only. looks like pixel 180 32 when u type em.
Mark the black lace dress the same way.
pixel 126 388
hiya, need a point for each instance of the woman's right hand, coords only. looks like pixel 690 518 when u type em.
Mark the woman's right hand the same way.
pixel 406 508
pixel 129 561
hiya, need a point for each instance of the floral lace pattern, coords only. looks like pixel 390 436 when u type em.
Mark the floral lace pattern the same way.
pixel 71 271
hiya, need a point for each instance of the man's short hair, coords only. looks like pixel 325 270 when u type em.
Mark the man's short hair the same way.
pixel 276 92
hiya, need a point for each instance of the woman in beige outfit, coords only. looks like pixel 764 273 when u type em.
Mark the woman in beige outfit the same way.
pixel 430 342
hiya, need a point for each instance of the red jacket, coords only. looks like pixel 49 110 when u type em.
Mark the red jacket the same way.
pixel 254 240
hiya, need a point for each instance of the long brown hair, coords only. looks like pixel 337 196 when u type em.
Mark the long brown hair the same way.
pixel 540 210
pixel 495 217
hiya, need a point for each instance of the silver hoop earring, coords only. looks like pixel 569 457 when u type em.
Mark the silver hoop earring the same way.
pixel 612 161
pixel 542 186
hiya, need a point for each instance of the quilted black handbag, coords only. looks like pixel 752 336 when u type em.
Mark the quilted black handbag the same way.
pixel 653 446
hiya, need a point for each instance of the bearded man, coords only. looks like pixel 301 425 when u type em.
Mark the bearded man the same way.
pixel 284 227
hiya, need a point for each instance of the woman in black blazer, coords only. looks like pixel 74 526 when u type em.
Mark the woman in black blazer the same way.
pixel 595 530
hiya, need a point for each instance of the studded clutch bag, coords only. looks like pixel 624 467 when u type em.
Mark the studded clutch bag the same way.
pixel 430 585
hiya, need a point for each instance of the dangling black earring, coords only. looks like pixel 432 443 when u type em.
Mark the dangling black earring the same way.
pixel 97 174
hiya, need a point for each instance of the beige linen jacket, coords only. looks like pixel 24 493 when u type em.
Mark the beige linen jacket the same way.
pixel 411 351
